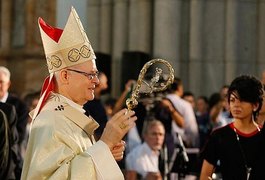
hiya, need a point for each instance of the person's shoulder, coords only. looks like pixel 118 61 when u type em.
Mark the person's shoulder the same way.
pixel 180 101
pixel 9 110
pixel 6 106
pixel 57 113
pixel 186 103
pixel 45 116
pixel 172 97
pixel 13 99
pixel 136 151
pixel 223 130
pixel 51 111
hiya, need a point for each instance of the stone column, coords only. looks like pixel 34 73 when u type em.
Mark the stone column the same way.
pixel 167 31
pixel 93 18
pixel 261 38
pixel 6 21
pixel 242 47
pixel 231 40
pixel 195 46
pixel 140 25
pixel 18 30
pixel 206 66
pixel 105 26
pixel 119 42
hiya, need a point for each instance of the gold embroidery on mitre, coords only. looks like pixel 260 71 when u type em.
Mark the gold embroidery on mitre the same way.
pixel 74 54
pixel 55 61
pixel 85 51
pixel 72 48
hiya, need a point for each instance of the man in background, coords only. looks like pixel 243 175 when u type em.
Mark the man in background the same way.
pixel 10 158
pixel 144 159
pixel 189 130
pixel 21 108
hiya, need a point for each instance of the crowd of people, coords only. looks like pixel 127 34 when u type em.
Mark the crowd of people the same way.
pixel 68 131
pixel 178 112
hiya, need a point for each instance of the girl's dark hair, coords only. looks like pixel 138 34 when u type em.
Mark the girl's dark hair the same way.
pixel 249 89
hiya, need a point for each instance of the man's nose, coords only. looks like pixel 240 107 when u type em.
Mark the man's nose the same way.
pixel 96 80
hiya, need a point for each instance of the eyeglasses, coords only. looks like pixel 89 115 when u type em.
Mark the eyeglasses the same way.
pixel 90 76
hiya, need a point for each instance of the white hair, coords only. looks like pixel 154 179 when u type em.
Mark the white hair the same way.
pixel 6 72
pixel 150 124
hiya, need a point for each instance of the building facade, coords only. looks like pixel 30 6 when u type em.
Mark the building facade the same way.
pixel 208 42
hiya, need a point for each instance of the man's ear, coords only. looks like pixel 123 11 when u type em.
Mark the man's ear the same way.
pixel 64 76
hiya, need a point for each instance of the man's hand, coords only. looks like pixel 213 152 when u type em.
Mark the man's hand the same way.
pixel 118 150
pixel 117 127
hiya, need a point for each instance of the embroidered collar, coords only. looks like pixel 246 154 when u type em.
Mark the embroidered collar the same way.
pixel 70 102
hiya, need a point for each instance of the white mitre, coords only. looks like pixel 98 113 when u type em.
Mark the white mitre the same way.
pixel 63 48
pixel 68 47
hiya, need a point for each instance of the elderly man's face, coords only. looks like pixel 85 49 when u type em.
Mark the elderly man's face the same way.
pixel 4 84
pixel 81 88
pixel 155 137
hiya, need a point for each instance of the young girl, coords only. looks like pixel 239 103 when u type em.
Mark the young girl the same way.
pixel 237 146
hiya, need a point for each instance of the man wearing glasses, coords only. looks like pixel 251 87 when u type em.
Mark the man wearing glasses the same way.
pixel 61 144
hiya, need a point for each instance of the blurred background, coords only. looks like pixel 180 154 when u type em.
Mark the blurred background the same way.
pixel 208 42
